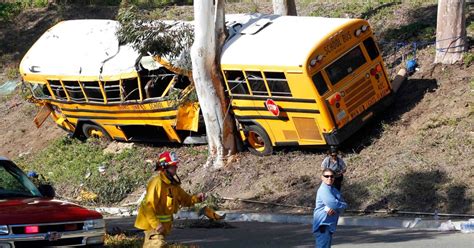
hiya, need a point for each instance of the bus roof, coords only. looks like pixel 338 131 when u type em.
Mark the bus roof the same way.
pixel 272 40
pixel 80 48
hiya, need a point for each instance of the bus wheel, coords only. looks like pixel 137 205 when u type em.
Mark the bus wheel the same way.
pixel 94 131
pixel 258 141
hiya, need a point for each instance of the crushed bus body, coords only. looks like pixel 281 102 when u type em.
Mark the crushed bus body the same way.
pixel 93 86
pixel 291 81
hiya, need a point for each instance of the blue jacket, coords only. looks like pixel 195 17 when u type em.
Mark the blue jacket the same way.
pixel 327 197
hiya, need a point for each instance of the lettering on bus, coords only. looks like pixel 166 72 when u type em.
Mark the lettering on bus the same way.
pixel 337 40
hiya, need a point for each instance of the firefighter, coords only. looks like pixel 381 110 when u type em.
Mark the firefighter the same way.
pixel 163 198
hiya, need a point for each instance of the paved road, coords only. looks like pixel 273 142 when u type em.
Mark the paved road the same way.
pixel 255 234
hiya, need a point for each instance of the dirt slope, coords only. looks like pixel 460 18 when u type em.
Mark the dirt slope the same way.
pixel 416 156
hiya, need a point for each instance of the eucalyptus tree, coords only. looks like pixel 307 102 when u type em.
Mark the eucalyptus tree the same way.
pixel 450 31
pixel 194 51
pixel 284 7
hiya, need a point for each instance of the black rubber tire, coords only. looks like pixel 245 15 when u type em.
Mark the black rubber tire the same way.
pixel 87 130
pixel 258 142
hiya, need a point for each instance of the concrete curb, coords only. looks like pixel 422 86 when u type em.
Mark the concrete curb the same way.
pixel 396 223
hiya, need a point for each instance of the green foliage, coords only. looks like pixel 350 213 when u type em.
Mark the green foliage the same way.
pixel 12 73
pixel 73 166
pixel 121 240
pixel 169 40
pixel 9 10
pixel 468 58
pixel 160 3
pixel 412 32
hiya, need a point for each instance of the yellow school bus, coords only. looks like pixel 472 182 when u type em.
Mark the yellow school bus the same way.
pixel 93 86
pixel 296 81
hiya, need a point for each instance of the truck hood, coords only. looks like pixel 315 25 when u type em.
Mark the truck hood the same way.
pixel 42 210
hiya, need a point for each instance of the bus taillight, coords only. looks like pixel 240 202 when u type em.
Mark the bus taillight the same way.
pixel 378 68
pixel 335 98
pixel 373 72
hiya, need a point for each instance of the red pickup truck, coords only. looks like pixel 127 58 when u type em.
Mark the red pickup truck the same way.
pixel 30 217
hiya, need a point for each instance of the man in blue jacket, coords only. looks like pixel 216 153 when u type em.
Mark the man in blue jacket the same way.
pixel 329 204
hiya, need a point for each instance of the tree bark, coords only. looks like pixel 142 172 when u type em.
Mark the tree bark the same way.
pixel 284 7
pixel 205 55
pixel 450 31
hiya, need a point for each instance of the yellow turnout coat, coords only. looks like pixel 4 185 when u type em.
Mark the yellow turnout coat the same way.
pixel 162 200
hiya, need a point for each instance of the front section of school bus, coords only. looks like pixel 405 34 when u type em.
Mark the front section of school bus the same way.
pixel 296 81
pixel 91 86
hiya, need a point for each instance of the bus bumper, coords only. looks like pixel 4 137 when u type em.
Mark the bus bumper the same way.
pixel 339 135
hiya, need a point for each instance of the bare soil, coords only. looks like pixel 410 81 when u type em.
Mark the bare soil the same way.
pixel 416 156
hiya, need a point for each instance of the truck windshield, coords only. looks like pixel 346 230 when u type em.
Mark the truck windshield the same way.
pixel 14 183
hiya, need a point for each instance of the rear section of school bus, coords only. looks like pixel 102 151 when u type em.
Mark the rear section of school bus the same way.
pixel 296 81
pixel 91 85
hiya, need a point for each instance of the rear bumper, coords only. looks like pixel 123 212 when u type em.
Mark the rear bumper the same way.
pixel 338 136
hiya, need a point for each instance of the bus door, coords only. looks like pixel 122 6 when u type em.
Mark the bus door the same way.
pixel 248 92
pixel 155 86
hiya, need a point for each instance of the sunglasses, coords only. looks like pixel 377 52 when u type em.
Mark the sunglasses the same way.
pixel 328 176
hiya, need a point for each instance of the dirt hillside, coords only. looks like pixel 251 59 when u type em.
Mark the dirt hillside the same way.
pixel 416 156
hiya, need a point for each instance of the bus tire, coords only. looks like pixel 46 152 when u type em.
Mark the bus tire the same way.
pixel 258 141
pixel 94 131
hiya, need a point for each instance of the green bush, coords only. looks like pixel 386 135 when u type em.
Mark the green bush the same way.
pixel 9 10
pixel 72 166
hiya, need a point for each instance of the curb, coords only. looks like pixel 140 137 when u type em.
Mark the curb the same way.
pixel 396 223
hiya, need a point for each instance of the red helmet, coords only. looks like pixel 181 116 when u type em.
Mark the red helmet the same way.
pixel 168 159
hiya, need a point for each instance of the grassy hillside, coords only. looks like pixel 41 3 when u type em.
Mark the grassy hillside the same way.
pixel 414 157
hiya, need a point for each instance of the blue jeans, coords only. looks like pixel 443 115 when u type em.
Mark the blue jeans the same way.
pixel 323 237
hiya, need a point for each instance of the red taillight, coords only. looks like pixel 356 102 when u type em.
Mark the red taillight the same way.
pixel 31 229
pixel 335 98
pixel 373 72
pixel 378 68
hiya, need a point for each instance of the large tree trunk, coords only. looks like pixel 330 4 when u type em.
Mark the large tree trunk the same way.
pixel 284 7
pixel 205 54
pixel 450 31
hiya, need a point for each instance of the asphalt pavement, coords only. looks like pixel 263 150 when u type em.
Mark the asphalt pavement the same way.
pixel 266 234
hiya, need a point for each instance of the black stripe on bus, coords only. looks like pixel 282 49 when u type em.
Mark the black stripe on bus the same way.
pixel 260 117
pixel 292 110
pixel 122 118
pixel 276 98
pixel 287 143
pixel 119 111
pixel 113 103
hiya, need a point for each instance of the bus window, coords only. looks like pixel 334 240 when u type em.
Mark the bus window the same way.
pixel 371 48
pixel 181 82
pixel 57 89
pixel 257 84
pixel 345 65
pixel 130 89
pixel 93 92
pixel 320 84
pixel 154 85
pixel 112 91
pixel 40 91
pixel 277 84
pixel 237 83
pixel 74 91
